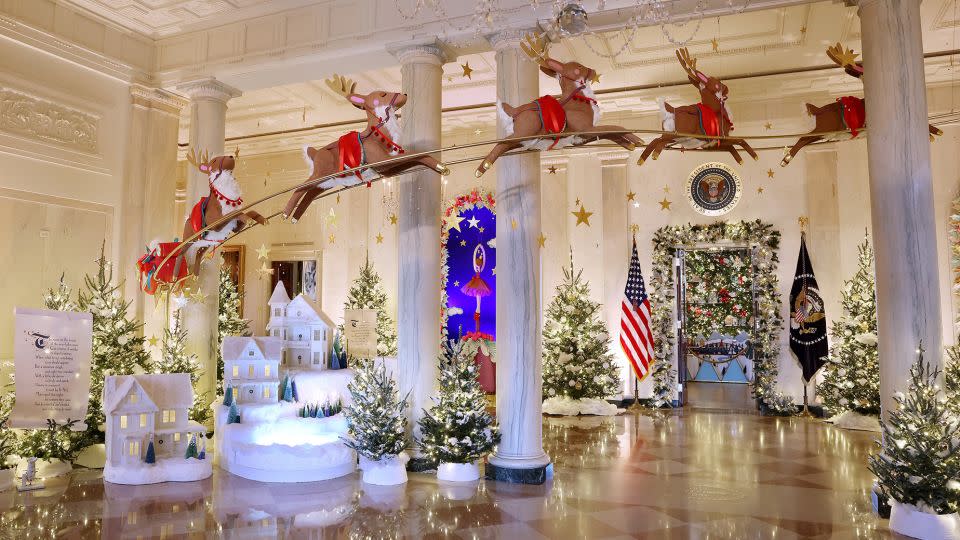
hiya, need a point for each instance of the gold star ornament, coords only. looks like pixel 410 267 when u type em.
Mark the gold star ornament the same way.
pixel 379 238
pixel 770 173
pixel 152 340
pixel 665 204
pixel 332 217
pixel 467 70
pixel 768 126
pixel 542 240
pixel 198 297
pixel 263 252
pixel 582 216
pixel 393 219
pixel 760 190
pixel 453 222
pixel 715 44
pixel 264 271
pixel 631 195
pixel 552 169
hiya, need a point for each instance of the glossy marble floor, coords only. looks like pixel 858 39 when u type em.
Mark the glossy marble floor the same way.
pixel 692 475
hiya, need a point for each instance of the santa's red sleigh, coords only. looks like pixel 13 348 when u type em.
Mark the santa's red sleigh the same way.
pixel 173 272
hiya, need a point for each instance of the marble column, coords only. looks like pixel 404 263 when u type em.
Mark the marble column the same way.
pixel 208 117
pixel 418 306
pixel 901 190
pixel 520 456
pixel 149 191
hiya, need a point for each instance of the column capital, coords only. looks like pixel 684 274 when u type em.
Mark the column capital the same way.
pixel 510 38
pixel 208 88
pixel 157 98
pixel 425 52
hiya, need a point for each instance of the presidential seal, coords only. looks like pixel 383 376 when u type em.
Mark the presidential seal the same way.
pixel 714 189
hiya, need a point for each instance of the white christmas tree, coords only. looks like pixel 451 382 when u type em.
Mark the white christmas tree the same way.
pixel 174 359
pixel 376 420
pixel 59 299
pixel 851 377
pixel 367 293
pixel 229 319
pixel 118 347
pixel 458 428
pixel 919 458
pixel 663 382
pixel 576 358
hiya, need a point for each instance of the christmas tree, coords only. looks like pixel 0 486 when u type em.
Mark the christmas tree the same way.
pixel 151 456
pixel 367 293
pixel 8 441
pixel 919 458
pixel 174 359
pixel 376 418
pixel 59 299
pixel 458 428
pixel 229 319
pixel 951 378
pixel 118 349
pixel 576 358
pixel 192 451
pixel 851 376
pixel 233 415
pixel 663 382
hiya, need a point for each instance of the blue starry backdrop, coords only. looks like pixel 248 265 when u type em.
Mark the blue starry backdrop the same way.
pixel 478 227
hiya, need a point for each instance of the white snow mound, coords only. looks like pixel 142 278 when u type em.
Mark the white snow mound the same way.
pixel 564 406
pixel 856 421
pixel 164 470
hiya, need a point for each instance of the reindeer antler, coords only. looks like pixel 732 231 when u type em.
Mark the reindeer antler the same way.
pixel 535 46
pixel 341 85
pixel 689 64
pixel 841 55
pixel 201 162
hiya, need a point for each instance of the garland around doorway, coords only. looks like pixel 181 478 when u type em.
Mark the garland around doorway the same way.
pixel 766 241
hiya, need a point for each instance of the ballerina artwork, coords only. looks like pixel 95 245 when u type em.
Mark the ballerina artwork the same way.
pixel 477 287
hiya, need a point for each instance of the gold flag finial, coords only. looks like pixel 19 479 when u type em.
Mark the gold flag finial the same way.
pixel 803 221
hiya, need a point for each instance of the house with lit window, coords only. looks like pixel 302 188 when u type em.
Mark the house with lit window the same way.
pixel 307 332
pixel 141 409
pixel 251 367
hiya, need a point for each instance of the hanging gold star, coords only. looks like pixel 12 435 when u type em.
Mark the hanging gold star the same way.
pixel 198 297
pixel 803 29
pixel 665 204
pixel 263 252
pixel 513 223
pixel 552 169
pixel 760 190
pixel 152 340
pixel 768 126
pixel 467 70
pixel 582 216
pixel 631 195
pixel 634 228
pixel 770 173
pixel 393 219
pixel 844 56
pixel 577 202
pixel 379 238
pixel 715 44
pixel 453 222
pixel 477 131
pixel 332 217
pixel 542 240
pixel 332 238
pixel 264 271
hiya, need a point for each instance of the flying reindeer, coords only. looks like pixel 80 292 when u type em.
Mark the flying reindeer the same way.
pixel 224 197
pixel 709 117
pixel 375 144
pixel 575 110
pixel 847 113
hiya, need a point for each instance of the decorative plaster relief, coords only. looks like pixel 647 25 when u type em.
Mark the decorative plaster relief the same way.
pixel 37 118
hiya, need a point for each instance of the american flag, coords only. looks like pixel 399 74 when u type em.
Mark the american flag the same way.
pixel 635 336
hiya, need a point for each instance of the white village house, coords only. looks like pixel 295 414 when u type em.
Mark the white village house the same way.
pixel 251 367
pixel 306 330
pixel 141 408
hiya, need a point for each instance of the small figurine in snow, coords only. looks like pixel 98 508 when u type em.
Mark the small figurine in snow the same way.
pixel 29 476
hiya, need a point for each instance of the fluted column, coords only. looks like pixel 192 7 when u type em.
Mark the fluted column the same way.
pixel 901 190
pixel 208 117
pixel 418 306
pixel 149 189
pixel 520 456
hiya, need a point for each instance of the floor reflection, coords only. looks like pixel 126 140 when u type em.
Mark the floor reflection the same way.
pixel 693 474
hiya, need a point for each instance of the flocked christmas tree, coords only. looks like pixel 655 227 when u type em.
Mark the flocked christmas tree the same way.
pixel 229 319
pixel 59 298
pixel 663 380
pixel 458 428
pixel 851 377
pixel 376 420
pixel 118 349
pixel 367 293
pixel 919 458
pixel 951 378
pixel 576 358
pixel 174 359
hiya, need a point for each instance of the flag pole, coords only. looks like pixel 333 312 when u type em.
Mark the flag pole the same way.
pixel 635 407
pixel 803 221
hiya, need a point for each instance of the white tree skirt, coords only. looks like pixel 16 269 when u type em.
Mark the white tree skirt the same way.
pixel 911 521
pixel 389 471
pixel 45 468
pixel 164 470
pixel 92 457
pixel 565 406
pixel 458 472
pixel 856 421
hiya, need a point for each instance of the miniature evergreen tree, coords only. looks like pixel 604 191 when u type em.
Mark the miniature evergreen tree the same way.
pixel 228 397
pixel 174 359
pixel 293 392
pixel 576 358
pixel 919 458
pixel 367 293
pixel 458 428
pixel 663 382
pixel 151 456
pixel 338 358
pixel 192 451
pixel 951 378
pixel 376 420
pixel 59 298
pixel 203 449
pixel 851 376
pixel 118 349
pixel 286 392
pixel 233 415
pixel 230 321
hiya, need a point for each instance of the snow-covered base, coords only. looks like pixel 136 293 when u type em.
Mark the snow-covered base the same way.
pixel 46 468
pixel 856 421
pixel 92 457
pixel 389 471
pixel 458 491
pixel 164 470
pixel 321 386
pixel 565 406
pixel 907 519
pixel 458 472
pixel 7 478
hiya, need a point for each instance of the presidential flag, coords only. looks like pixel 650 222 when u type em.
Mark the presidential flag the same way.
pixel 635 336
pixel 808 321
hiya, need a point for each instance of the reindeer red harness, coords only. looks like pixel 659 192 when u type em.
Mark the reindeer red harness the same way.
pixel 198 215
pixel 854 113
pixel 350 146
pixel 553 117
